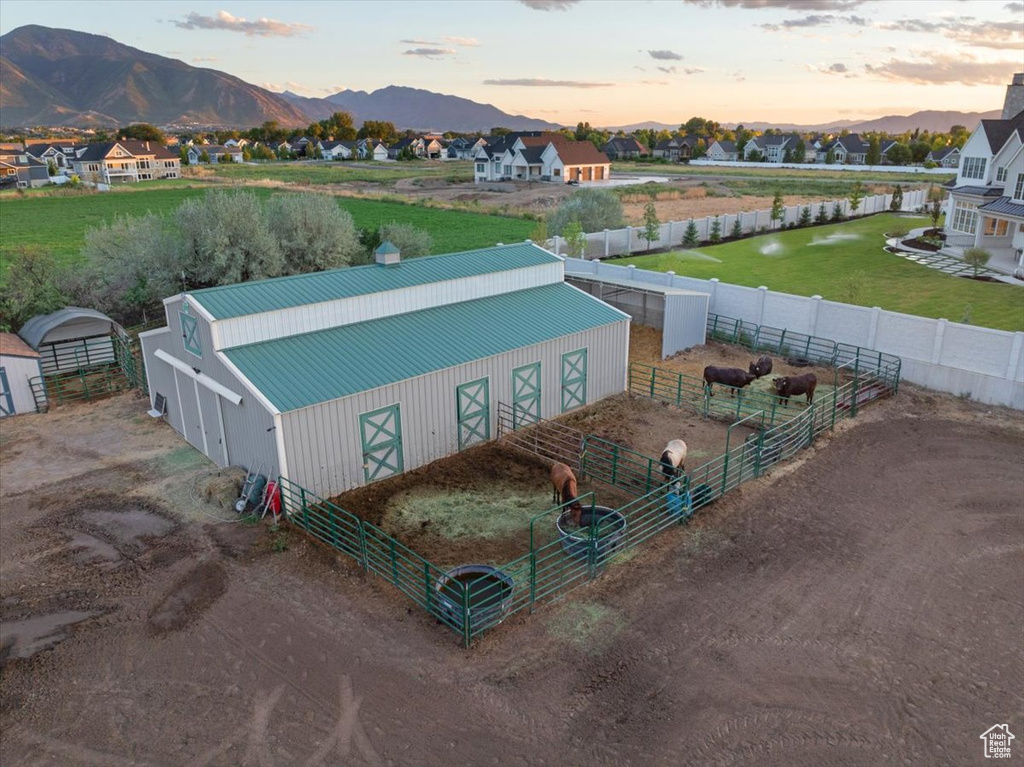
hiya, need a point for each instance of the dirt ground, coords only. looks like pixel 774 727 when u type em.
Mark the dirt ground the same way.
pixel 861 606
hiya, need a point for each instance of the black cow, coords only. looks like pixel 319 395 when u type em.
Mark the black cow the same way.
pixel 728 376
pixel 762 367
pixel 787 386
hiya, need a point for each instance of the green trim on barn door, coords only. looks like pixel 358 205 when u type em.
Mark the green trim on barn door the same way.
pixel 525 395
pixel 473 405
pixel 380 432
pixel 190 334
pixel 6 402
pixel 574 379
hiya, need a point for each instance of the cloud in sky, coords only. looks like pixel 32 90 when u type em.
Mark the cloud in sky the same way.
pixel 838 68
pixel 1014 7
pixel 465 42
pixel 667 70
pixel 430 53
pixel 654 82
pixel 796 5
pixel 420 42
pixel 665 55
pixel 537 82
pixel 262 27
pixel 1000 35
pixel 942 69
pixel 549 5
pixel 815 20
pixel 693 70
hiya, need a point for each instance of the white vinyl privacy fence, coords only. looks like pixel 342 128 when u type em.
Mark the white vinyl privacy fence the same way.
pixel 619 242
pixel 984 364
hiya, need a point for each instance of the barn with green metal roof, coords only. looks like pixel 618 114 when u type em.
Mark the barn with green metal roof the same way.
pixel 339 378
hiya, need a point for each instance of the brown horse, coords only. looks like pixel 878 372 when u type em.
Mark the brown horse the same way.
pixel 565 491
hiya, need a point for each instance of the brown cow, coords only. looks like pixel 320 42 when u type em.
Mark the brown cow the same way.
pixel 728 376
pixel 762 367
pixel 787 386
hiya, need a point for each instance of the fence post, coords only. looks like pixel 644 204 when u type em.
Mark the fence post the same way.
pixel 467 632
pixel 856 385
pixel 305 507
pixel 364 556
pixel 629 240
pixel 615 462
pixel 533 576
pixel 679 389
pixel 426 585
pixel 394 561
pixel 607 243
pixel 654 373
pixel 810 430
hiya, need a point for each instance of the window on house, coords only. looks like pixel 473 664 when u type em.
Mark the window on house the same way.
pixel 1018 189
pixel 481 168
pixel 508 170
pixel 973 167
pixel 1001 175
pixel 995 227
pixel 965 218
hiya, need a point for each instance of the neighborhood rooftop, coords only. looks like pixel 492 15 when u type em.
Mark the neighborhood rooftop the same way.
pixel 303 370
pixel 302 289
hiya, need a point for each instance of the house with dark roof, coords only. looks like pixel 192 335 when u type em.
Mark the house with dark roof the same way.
pixel 337 150
pixel 772 147
pixel 985 208
pixel 60 154
pixel 625 148
pixel 850 150
pixel 537 156
pixel 216 153
pixel 723 150
pixel 20 169
pixel 126 161
pixel 947 157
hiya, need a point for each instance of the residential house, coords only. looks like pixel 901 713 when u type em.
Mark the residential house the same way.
pixel 723 150
pixel 22 170
pixel 58 153
pixel 985 208
pixel 536 156
pixel 850 150
pixel 625 148
pixel 125 161
pixel 337 150
pixel 299 145
pixel 947 157
pixel 773 147
pixel 240 143
pixel 677 148
pixel 378 151
pixel 215 152
pixel 277 147
pixel 432 147
pixel 464 149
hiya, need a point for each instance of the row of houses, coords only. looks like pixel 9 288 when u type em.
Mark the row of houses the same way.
pixel 539 156
pixel 845 150
pixel 109 162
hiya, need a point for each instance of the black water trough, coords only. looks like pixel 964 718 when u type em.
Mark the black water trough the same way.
pixel 610 527
pixel 489 595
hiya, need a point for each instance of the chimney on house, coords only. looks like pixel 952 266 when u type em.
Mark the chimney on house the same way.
pixel 1013 104
pixel 387 255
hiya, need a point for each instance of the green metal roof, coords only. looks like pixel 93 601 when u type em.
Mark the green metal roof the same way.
pixel 386 247
pixel 301 289
pixel 303 370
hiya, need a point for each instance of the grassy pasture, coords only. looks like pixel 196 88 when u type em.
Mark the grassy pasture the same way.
pixel 780 175
pixel 846 262
pixel 326 173
pixel 58 223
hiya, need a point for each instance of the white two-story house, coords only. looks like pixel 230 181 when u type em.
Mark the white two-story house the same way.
pixel 985 208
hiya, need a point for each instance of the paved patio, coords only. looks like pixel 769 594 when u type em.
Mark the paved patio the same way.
pixel 947 263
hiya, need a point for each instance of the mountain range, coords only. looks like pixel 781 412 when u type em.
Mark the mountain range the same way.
pixel 63 77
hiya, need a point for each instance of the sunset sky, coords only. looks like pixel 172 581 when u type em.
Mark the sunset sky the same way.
pixel 603 61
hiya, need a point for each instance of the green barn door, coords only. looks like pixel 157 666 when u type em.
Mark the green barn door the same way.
pixel 381 435
pixel 473 405
pixel 574 379
pixel 6 401
pixel 525 395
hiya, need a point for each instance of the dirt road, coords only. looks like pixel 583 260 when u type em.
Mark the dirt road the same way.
pixel 863 608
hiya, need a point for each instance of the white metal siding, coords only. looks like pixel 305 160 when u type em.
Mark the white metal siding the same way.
pixel 686 322
pixel 19 370
pixel 322 443
pixel 253 328
pixel 248 426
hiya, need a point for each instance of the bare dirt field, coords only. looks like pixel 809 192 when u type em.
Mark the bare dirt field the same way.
pixel 863 605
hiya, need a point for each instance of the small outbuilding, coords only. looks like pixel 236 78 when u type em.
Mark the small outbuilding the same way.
pixel 340 378
pixel 19 363
pixel 71 338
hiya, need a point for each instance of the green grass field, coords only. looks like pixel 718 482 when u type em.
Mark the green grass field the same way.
pixel 59 223
pixel 846 262
pixel 343 172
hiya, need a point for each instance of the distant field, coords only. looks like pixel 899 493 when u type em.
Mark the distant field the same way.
pixel 59 223
pixel 780 175
pixel 343 172
pixel 846 262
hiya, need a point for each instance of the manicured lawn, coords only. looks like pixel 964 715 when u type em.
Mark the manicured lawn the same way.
pixel 846 262
pixel 59 223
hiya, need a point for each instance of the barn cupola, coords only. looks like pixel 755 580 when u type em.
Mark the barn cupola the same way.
pixel 387 254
